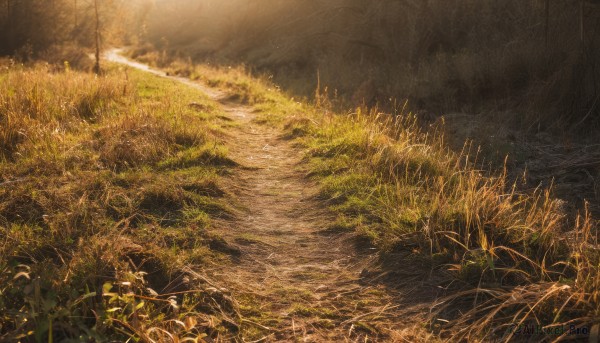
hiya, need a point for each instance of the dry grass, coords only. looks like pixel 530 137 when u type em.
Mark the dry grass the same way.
pixel 512 257
pixel 108 188
pixel 473 56
pixel 509 258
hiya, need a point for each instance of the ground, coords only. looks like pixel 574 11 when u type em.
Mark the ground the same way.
pixel 297 276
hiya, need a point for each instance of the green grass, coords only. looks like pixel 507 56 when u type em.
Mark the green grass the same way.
pixel 507 256
pixel 108 188
pixel 402 188
pixel 107 200
pixel 272 105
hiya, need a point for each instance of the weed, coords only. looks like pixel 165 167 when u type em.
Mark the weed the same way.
pixel 510 254
pixel 108 187
pixel 408 189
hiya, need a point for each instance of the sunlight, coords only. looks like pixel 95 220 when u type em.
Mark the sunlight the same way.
pixel 291 170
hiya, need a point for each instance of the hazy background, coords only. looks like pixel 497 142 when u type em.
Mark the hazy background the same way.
pixel 539 58
pixel 535 61
pixel 62 30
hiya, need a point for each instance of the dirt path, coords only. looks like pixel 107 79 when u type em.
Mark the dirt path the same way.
pixel 295 280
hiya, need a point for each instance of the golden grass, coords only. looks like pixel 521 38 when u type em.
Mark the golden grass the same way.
pixel 108 187
pixel 474 56
pixel 511 257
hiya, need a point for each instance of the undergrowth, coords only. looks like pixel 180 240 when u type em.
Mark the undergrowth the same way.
pixel 509 259
pixel 108 187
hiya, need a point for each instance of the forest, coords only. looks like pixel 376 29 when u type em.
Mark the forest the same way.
pixel 299 171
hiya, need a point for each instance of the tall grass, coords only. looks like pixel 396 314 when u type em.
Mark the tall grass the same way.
pixel 506 258
pixel 107 191
pixel 37 109
pixel 473 56
pixel 511 257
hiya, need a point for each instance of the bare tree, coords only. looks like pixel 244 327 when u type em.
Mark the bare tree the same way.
pixel 97 34
pixel 10 25
pixel 75 14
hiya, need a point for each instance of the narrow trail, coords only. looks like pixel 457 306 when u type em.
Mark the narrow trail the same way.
pixel 295 280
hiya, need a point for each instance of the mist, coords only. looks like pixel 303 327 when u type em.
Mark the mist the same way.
pixel 299 170
pixel 534 56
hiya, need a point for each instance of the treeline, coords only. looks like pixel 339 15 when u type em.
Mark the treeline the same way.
pixel 31 29
pixel 535 57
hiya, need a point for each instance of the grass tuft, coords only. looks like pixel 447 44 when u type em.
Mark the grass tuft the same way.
pixel 510 257
pixel 108 187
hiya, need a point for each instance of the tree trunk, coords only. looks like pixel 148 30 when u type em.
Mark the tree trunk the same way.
pixel 97 65
pixel 581 25
pixel 75 15
pixel 11 31
pixel 547 22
